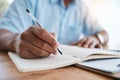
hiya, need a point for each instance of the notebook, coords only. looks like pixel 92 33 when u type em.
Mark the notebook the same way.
pixel 71 55
pixel 106 67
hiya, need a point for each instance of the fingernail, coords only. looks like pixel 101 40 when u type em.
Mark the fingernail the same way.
pixel 55 53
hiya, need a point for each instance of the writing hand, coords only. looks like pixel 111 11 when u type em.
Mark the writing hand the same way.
pixel 35 42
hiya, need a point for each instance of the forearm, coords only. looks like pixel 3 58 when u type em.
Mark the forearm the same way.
pixel 7 40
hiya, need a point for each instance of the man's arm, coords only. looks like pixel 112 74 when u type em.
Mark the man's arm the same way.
pixel 6 40
pixel 35 42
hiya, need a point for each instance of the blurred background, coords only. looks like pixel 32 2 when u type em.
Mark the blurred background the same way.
pixel 107 13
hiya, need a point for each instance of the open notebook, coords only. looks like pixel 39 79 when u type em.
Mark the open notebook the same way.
pixel 71 55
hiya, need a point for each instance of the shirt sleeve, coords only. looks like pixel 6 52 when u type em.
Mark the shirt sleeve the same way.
pixel 16 19
pixel 91 25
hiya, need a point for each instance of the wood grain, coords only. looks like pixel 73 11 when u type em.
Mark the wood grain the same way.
pixel 8 71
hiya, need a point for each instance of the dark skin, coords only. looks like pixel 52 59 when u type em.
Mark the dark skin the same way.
pixel 36 42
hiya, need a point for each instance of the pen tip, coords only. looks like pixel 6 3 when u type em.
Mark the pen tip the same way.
pixel 27 10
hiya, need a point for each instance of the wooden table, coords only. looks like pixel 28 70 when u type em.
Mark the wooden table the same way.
pixel 8 71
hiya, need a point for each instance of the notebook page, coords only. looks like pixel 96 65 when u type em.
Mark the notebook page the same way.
pixel 51 62
pixel 75 51
pixel 99 57
pixel 83 53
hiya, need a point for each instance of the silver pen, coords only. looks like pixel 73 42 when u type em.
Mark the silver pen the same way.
pixel 37 22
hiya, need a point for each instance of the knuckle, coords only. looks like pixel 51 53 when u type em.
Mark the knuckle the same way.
pixel 34 28
pixel 23 35
pixel 42 32
pixel 42 45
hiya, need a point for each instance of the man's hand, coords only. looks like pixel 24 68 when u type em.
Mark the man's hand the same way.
pixel 35 42
pixel 88 42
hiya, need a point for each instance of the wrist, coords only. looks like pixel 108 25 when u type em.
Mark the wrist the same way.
pixel 13 42
pixel 100 38
pixel 17 43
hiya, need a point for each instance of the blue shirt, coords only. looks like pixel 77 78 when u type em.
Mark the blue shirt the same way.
pixel 68 23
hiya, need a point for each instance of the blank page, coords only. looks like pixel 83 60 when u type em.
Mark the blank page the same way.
pixel 86 53
pixel 51 62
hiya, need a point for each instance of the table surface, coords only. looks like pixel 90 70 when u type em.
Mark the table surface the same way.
pixel 8 71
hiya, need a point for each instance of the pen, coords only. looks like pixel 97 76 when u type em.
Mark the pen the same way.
pixel 37 22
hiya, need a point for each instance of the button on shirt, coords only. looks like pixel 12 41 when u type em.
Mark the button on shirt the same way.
pixel 67 22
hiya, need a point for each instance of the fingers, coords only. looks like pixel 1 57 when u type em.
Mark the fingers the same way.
pixel 34 52
pixel 37 42
pixel 26 54
pixel 45 36
pixel 84 43
pixel 88 42
pixel 79 43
